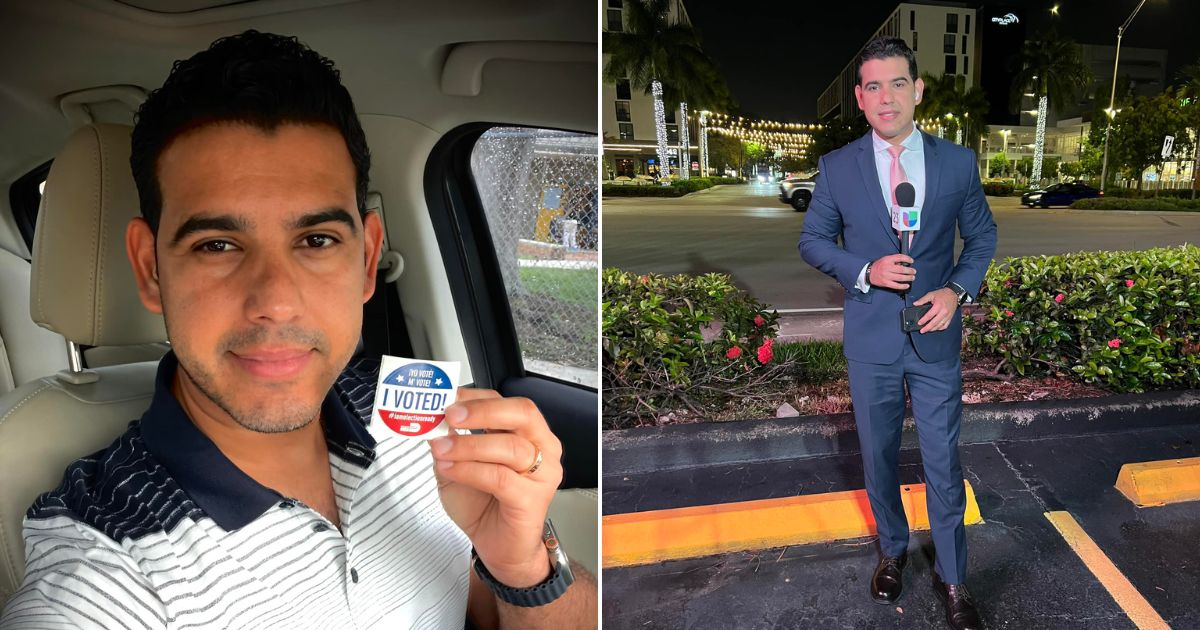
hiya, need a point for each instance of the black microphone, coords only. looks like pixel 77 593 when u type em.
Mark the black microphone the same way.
pixel 905 217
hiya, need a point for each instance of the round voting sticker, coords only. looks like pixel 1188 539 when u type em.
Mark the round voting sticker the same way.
pixel 413 398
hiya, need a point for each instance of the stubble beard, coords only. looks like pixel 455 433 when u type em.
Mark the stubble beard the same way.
pixel 267 417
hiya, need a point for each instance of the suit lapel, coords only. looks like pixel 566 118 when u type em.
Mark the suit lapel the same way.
pixel 866 165
pixel 932 179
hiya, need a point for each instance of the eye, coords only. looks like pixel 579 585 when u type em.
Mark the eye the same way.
pixel 320 241
pixel 215 247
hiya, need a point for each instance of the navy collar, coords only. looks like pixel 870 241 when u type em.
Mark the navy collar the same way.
pixel 227 494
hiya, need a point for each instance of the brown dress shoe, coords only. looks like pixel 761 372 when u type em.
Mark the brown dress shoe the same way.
pixel 886 583
pixel 961 613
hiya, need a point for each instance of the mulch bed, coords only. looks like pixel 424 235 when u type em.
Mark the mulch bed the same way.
pixel 834 396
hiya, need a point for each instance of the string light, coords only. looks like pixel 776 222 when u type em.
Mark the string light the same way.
pixel 685 159
pixel 704 144
pixel 660 129
pixel 1039 140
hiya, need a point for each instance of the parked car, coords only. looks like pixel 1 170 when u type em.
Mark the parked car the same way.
pixel 1059 195
pixel 797 192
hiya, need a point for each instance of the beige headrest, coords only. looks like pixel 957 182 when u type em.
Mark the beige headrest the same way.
pixel 82 285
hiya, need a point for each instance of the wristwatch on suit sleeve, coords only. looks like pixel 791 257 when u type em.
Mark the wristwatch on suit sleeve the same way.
pixel 958 291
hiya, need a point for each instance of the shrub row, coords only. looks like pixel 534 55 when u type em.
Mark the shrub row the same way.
pixel 1162 204
pixel 678 187
pixel 654 345
pixel 997 189
pixel 1134 193
pixel 1126 321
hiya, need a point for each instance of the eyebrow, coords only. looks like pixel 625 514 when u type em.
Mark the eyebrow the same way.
pixel 202 223
pixel 231 223
pixel 892 81
pixel 325 216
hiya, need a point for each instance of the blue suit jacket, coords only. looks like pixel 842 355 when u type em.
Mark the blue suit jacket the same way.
pixel 847 203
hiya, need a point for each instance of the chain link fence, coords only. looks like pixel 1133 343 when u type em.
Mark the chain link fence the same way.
pixel 538 188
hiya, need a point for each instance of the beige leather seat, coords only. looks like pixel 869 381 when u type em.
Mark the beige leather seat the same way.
pixel 27 351
pixel 82 289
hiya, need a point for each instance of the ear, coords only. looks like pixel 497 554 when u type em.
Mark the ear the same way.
pixel 920 85
pixel 858 97
pixel 373 237
pixel 139 247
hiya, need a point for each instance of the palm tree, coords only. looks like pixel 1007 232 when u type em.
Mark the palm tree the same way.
pixel 1051 68
pixel 947 98
pixel 653 51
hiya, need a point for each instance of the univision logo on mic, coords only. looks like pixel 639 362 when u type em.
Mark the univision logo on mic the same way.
pixel 906 219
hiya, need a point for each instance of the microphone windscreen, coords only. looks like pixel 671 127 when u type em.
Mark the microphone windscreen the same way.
pixel 906 195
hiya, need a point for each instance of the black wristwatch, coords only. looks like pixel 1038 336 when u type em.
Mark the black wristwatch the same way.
pixel 959 291
pixel 867 273
pixel 539 594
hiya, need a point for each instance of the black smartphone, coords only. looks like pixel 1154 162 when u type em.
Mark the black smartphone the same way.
pixel 911 315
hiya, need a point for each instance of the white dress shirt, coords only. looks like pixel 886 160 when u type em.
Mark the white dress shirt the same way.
pixel 912 160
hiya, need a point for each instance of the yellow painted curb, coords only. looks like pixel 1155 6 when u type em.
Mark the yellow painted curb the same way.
pixel 1140 612
pixel 645 537
pixel 1158 483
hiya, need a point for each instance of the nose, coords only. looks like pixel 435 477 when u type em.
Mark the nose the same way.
pixel 272 294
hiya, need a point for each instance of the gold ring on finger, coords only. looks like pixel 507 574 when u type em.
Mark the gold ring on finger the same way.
pixel 537 462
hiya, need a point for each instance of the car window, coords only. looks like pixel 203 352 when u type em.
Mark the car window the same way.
pixel 538 191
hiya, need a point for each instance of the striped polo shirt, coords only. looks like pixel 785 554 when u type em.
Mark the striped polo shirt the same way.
pixel 161 530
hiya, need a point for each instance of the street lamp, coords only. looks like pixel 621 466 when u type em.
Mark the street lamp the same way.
pixel 1112 95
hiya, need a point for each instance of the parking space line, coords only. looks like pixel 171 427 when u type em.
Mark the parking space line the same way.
pixel 653 536
pixel 1150 484
pixel 1122 590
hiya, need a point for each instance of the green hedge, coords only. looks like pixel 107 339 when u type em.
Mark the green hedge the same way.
pixel 678 188
pixel 1118 192
pixel 654 346
pixel 997 189
pixel 1126 321
pixel 1162 204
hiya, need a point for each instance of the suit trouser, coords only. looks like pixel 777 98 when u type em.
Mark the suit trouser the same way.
pixel 936 393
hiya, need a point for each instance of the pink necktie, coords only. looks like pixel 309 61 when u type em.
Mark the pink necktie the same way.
pixel 897 176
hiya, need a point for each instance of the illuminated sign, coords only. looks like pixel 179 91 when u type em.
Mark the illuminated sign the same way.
pixel 1006 19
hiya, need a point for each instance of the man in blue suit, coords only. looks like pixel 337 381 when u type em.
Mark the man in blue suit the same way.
pixel 852 201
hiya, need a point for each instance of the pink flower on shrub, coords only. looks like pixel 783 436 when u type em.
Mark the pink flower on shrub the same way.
pixel 1059 298
pixel 759 321
pixel 1114 343
pixel 643 279
pixel 1008 283
pixel 733 353
pixel 1008 313
pixel 765 353
pixel 1129 283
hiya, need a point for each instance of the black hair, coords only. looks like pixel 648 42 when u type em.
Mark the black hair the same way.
pixel 254 78
pixel 886 48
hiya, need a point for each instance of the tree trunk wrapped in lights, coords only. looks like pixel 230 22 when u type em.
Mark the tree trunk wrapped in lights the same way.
pixel 685 158
pixel 660 128
pixel 1039 142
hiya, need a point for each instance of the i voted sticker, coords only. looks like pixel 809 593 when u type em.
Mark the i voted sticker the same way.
pixel 411 397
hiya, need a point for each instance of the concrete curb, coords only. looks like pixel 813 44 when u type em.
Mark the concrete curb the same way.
pixel 637 451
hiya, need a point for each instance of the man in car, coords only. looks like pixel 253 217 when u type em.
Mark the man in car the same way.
pixel 250 494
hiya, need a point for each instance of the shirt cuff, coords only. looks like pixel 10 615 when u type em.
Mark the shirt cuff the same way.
pixel 862 284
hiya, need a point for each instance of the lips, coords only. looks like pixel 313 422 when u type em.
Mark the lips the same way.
pixel 275 363
pixel 889 115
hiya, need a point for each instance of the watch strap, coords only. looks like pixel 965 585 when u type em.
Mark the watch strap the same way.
pixel 549 590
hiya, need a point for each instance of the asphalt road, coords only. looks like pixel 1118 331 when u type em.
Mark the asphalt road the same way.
pixel 747 232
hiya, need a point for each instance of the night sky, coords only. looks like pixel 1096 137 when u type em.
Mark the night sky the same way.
pixel 779 56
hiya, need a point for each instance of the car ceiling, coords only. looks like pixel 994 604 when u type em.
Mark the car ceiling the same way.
pixel 392 56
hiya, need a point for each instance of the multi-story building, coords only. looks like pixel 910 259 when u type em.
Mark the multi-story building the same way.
pixel 944 37
pixel 630 143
